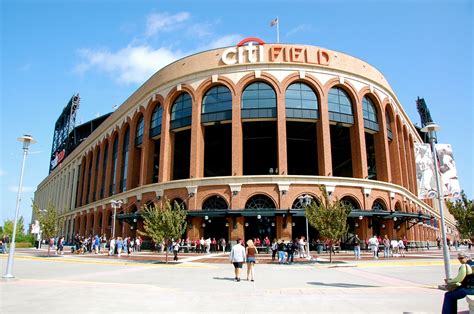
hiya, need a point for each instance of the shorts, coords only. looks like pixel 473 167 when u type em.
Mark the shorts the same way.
pixel 237 264
pixel 251 259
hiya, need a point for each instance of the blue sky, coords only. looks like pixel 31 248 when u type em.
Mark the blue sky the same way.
pixel 105 50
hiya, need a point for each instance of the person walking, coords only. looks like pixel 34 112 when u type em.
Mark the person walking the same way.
pixel 251 251
pixel 119 244
pixel 464 282
pixel 356 243
pixel 112 246
pixel 281 251
pixel 274 249
pixel 237 258
pixel 374 245
pixel 175 250
pixel 386 247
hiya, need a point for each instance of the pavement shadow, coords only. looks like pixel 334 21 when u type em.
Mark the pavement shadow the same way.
pixel 223 278
pixel 342 285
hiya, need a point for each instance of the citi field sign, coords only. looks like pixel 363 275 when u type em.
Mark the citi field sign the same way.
pixel 253 50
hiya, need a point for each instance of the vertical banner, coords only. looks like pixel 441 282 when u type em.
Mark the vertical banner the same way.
pixel 447 170
pixel 425 175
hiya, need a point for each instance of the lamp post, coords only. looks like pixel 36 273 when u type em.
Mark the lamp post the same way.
pixel 305 200
pixel 431 129
pixel 115 204
pixel 26 140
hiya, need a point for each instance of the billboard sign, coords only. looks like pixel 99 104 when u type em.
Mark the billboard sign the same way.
pixel 448 171
pixel 425 171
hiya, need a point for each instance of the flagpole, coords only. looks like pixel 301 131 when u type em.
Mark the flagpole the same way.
pixel 278 30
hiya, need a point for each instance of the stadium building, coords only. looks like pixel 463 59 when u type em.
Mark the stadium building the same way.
pixel 243 137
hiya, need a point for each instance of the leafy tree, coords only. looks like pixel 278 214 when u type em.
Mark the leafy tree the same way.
pixel 163 223
pixel 329 218
pixel 8 227
pixel 48 220
pixel 463 211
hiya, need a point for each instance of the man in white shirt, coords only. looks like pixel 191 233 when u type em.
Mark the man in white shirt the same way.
pixel 374 245
pixel 237 257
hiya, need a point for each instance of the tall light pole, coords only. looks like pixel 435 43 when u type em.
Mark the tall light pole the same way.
pixel 26 140
pixel 115 204
pixel 431 129
pixel 305 200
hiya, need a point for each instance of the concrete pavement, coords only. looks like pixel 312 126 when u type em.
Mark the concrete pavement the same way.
pixel 80 284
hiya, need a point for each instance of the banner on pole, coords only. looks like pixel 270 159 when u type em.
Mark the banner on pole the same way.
pixel 448 172
pixel 425 171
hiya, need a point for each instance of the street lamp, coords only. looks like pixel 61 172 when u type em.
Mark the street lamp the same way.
pixel 431 129
pixel 26 140
pixel 115 204
pixel 305 200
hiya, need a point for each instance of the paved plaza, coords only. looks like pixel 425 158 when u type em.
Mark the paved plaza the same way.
pixel 101 284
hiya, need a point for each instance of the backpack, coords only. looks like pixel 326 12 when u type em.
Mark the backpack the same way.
pixel 469 279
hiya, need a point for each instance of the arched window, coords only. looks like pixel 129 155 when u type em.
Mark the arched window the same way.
pixel 389 125
pixel 114 166
pixel 301 102
pixel 398 207
pixel 378 206
pixel 370 114
pixel 260 202
pixel 258 101
pixel 156 119
pixel 214 202
pixel 179 201
pixel 104 169
pixel 349 201
pixel 140 129
pixel 217 104
pixel 181 111
pixel 299 202
pixel 97 164
pixel 123 182
pixel 340 106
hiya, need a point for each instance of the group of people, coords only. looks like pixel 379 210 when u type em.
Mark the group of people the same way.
pixel 127 245
pixel 391 248
pixel 4 241
pixel 286 251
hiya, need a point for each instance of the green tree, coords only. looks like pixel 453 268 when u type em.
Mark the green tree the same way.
pixel 163 223
pixel 329 218
pixel 463 211
pixel 48 220
pixel 8 227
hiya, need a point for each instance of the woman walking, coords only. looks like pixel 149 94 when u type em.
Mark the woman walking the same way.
pixel 251 251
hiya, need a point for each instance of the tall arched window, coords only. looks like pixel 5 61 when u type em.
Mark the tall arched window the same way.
pixel 114 166
pixel 301 102
pixel 370 114
pixel 156 118
pixel 351 202
pixel 140 129
pixel 258 101
pixel 181 111
pixel 104 169
pixel 217 104
pixel 340 106
pixel 97 164
pixel 123 182
pixel 389 125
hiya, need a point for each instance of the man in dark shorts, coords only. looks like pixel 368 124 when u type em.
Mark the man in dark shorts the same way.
pixel 237 258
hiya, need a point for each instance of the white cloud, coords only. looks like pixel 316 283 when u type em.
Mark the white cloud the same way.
pixel 133 64
pixel 298 29
pixel 224 41
pixel 14 188
pixel 2 173
pixel 164 22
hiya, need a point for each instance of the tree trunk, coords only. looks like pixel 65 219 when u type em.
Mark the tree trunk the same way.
pixel 49 249
pixel 166 248
pixel 330 253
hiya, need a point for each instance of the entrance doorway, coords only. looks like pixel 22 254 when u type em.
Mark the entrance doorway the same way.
pixel 260 228
pixel 298 229
pixel 216 228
